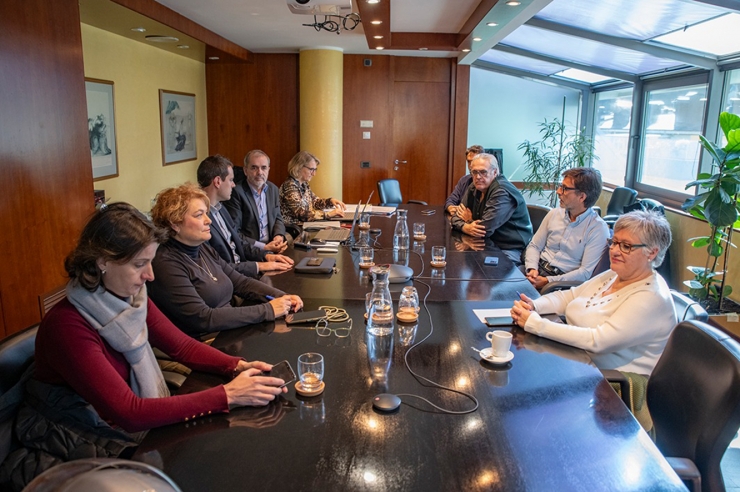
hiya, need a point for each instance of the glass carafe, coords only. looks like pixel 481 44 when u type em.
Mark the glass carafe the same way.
pixel 401 233
pixel 380 305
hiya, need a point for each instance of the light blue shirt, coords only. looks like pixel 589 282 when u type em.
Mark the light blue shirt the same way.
pixel 573 247
pixel 260 199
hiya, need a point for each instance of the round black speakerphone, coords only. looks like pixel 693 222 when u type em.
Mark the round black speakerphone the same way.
pixel 386 402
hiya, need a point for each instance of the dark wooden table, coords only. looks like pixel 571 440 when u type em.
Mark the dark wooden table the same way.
pixel 546 421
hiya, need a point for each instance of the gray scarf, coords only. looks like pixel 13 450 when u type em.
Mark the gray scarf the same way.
pixel 123 325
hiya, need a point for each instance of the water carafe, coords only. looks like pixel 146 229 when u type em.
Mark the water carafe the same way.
pixel 380 304
pixel 401 238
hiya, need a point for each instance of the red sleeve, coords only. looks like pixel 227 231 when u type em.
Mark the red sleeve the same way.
pixel 183 348
pixel 69 350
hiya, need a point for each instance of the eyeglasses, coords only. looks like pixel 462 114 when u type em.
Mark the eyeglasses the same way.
pixel 312 170
pixel 561 186
pixel 323 330
pixel 625 248
pixel 481 174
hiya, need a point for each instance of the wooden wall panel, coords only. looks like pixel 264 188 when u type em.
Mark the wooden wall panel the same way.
pixel 367 96
pixel 412 69
pixel 254 106
pixel 46 192
pixel 461 92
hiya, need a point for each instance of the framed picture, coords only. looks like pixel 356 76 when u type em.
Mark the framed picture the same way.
pixel 177 114
pixel 101 126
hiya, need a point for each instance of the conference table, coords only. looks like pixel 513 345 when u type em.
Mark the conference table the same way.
pixel 547 420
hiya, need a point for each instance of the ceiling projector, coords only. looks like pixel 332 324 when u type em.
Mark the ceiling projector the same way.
pixel 320 7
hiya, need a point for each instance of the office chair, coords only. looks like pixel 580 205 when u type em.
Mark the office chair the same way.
pixel 694 398
pixel 537 214
pixel 389 191
pixel 621 197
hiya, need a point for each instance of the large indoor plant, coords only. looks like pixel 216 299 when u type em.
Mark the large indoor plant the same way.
pixel 717 203
pixel 558 149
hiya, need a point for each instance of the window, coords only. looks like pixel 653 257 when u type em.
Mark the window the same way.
pixel 673 118
pixel 612 115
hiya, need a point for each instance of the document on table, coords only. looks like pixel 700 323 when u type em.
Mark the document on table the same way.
pixel 352 208
pixel 482 314
pixel 321 224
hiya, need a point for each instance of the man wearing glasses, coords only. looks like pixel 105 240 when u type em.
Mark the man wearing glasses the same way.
pixel 493 208
pixel 571 239
pixel 454 199
pixel 255 205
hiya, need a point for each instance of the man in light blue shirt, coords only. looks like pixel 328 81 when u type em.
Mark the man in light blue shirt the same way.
pixel 571 239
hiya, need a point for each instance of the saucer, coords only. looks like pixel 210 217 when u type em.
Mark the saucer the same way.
pixel 487 355
pixel 301 391
pixel 367 265
pixel 438 264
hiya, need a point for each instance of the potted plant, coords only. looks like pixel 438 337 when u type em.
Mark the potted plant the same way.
pixel 558 150
pixel 718 203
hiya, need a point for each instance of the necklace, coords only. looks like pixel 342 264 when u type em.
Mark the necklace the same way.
pixel 206 269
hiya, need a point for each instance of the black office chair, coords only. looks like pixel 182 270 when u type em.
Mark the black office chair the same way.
pixel 389 191
pixel 537 214
pixel 16 355
pixel 694 399
pixel 621 197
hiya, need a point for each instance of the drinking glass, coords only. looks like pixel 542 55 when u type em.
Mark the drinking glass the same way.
pixel 367 256
pixel 364 223
pixel 439 254
pixel 311 370
pixel 419 231
pixel 408 303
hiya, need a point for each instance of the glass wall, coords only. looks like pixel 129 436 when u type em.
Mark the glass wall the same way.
pixel 612 119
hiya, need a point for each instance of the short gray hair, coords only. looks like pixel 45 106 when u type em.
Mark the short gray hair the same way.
pixel 489 158
pixel 651 227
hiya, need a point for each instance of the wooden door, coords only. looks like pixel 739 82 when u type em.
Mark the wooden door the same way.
pixel 420 150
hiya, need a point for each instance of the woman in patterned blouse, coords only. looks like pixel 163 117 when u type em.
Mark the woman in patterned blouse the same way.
pixel 297 202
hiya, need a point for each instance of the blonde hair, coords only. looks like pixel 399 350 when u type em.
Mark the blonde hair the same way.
pixel 299 160
pixel 172 205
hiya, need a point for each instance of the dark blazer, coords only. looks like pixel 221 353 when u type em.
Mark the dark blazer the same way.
pixel 243 209
pixel 245 251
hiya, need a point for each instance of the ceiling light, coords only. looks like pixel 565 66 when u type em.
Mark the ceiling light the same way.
pixel 477 39
pixel 373 1
pixel 465 50
pixel 213 58
pixel 378 37
pixel 183 46
pixel 492 24
pixel 379 48
pixel 513 3
pixel 138 29
pixel 377 23
pixel 423 49
pixel 162 39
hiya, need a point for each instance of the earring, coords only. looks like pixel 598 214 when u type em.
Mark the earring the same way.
pixel 102 271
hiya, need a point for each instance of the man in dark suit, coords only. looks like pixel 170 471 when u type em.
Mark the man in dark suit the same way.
pixel 216 178
pixel 255 205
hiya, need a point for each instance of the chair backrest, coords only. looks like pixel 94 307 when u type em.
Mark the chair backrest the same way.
pixel 694 397
pixel 688 309
pixel 537 214
pixel 389 191
pixel 621 197
pixel 604 263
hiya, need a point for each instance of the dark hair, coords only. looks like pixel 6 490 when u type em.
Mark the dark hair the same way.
pixel 116 233
pixel 475 149
pixel 213 166
pixel 586 180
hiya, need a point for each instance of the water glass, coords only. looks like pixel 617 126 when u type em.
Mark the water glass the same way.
pixel 367 256
pixel 409 301
pixel 380 316
pixel 419 231
pixel 311 370
pixel 439 255
pixel 364 223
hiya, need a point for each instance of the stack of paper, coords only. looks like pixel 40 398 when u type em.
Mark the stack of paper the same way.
pixel 321 224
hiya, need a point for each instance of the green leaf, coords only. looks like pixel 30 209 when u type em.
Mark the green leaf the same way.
pixel 715 249
pixel 729 122
pixel 700 242
pixel 693 284
pixel 718 212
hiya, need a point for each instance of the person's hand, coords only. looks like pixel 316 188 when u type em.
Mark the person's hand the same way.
pixel 474 243
pixel 281 306
pixel 527 302
pixel 339 205
pixel 521 310
pixel 336 212
pixel 452 210
pixel 475 229
pixel 280 258
pixel 461 246
pixel 537 280
pixel 296 302
pixel 276 246
pixel 273 266
pixel 250 388
pixel 464 213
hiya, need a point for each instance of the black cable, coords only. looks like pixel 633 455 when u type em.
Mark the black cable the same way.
pixel 348 23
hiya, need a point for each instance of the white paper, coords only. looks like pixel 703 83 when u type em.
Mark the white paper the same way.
pixel 321 224
pixel 378 210
pixel 482 314
pixel 352 207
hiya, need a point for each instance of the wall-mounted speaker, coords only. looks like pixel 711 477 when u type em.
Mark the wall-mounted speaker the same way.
pixel 367 62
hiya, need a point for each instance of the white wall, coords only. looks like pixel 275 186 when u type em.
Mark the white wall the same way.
pixel 505 111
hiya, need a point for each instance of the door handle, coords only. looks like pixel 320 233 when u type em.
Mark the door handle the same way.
pixel 395 168
pixel 400 162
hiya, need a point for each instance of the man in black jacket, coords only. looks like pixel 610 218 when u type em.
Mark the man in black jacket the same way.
pixel 255 205
pixel 216 178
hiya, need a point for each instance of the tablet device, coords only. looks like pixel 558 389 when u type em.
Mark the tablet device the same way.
pixel 282 370
pixel 311 264
pixel 305 317
pixel 499 321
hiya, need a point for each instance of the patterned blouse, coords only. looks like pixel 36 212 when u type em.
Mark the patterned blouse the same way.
pixel 299 204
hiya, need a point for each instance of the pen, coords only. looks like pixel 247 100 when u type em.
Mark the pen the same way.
pixel 269 298
pixel 518 294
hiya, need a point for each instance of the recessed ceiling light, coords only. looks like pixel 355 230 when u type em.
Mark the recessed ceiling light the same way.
pixel 162 39
pixel 183 46
pixel 465 50
pixel 379 48
pixel 492 24
pixel 378 37
pixel 376 22
pixel 138 29
pixel 513 3
pixel 476 39
pixel 373 1
pixel 213 58
pixel 423 49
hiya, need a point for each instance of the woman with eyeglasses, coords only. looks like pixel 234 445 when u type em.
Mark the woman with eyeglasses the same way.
pixel 622 317
pixel 298 203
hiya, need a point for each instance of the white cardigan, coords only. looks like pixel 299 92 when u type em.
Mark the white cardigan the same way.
pixel 626 330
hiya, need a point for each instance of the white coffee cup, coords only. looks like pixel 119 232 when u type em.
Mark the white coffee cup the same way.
pixel 500 342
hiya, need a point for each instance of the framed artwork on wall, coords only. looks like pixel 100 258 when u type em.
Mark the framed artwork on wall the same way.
pixel 101 126
pixel 177 115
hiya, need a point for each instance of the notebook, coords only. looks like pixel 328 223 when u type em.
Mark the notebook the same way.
pixel 340 235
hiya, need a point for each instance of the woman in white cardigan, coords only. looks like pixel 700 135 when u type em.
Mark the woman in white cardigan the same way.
pixel 622 317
